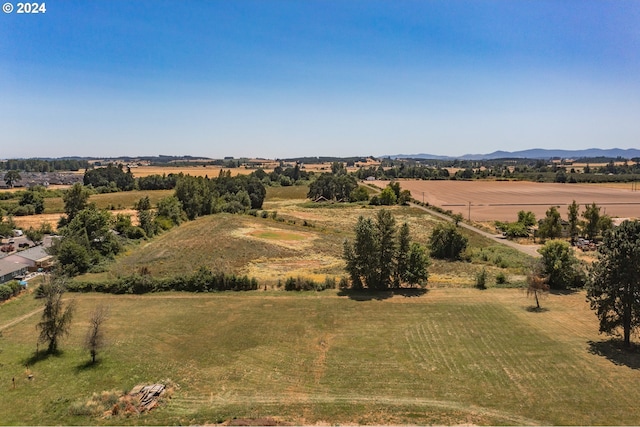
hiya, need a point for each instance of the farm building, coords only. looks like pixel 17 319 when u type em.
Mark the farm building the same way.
pixel 9 270
pixel 33 259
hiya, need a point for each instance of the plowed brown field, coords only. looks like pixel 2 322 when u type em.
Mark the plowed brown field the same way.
pixel 501 200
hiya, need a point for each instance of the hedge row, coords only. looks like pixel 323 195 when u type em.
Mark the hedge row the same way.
pixel 204 280
pixel 9 290
pixel 302 284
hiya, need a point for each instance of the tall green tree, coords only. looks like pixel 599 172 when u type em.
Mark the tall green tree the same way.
pixel 551 225
pixel 386 243
pixel 75 199
pixel 402 255
pixel 416 272
pixel 591 216
pixel 572 216
pixel 379 257
pixel 613 289
pixel 360 256
pixel 56 318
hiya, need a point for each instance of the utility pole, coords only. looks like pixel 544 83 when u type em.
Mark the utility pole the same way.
pixel 469 218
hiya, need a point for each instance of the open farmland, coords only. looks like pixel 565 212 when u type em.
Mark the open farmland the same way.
pixel 305 239
pixel 501 200
pixel 208 170
pixel 450 356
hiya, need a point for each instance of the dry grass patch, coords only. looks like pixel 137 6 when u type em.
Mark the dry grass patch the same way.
pixel 208 170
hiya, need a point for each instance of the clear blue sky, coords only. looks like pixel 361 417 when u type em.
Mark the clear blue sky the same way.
pixel 305 78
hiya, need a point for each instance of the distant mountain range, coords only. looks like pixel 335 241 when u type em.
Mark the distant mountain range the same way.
pixel 536 153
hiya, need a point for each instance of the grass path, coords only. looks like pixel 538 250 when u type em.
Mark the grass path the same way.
pixel 20 319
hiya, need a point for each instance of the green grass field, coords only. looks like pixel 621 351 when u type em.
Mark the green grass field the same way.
pixel 450 356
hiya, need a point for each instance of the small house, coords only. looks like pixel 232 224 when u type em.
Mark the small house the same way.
pixel 10 270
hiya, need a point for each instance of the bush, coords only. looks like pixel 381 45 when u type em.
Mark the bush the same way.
pixel 203 280
pixel 481 279
pixel 501 279
pixel 447 242
pixel 302 284
pixel 9 290
pixel 561 266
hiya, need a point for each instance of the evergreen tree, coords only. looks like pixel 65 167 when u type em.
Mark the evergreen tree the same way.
pixel 572 216
pixel 56 318
pixel 380 257
pixel 613 289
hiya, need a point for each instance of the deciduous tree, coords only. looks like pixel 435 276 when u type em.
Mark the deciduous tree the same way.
pixel 95 338
pixel 11 177
pixel 75 199
pixel 561 266
pixel 551 225
pixel 591 215
pixel 537 283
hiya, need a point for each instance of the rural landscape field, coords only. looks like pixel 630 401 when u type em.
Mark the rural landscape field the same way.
pixel 447 354
pixel 319 213
pixel 501 200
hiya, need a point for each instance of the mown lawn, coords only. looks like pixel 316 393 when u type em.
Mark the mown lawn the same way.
pixel 449 356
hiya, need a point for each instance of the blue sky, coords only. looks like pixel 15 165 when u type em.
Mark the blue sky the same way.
pixel 329 78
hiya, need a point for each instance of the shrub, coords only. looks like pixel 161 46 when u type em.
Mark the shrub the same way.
pixel 302 284
pixel 501 278
pixel 447 242
pixel 481 279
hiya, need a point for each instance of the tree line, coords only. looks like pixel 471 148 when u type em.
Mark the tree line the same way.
pixel 40 165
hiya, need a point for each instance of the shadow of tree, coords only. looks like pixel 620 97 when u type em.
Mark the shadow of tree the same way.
pixel 87 365
pixel 534 309
pixel 368 295
pixel 39 356
pixel 567 291
pixel 615 350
